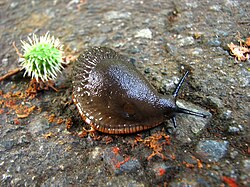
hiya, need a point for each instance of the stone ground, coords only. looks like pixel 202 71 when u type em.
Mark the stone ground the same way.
pixel 163 38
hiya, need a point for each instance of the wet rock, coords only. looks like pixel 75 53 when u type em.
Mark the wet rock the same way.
pixel 164 170
pixel 215 8
pixel 234 130
pixel 6 177
pixel 124 181
pixel 98 40
pixel 234 154
pixel 196 51
pixel 185 41
pixel 215 102
pixel 111 15
pixel 244 78
pixel 144 33
pixel 38 125
pixel 134 50
pixel 22 140
pixel 170 48
pixel 214 42
pixel 227 114
pixel 190 181
pixel 96 155
pixel 159 169
pixel 14 5
pixel 164 71
pixel 117 36
pixel 147 70
pixel 8 144
pixel 212 150
pixel 4 62
pixel 105 29
pixel 189 126
pixel 67 160
pixel 245 174
pixel 119 164
pixel 130 166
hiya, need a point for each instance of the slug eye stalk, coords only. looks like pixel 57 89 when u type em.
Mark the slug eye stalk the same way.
pixel 42 58
pixel 183 110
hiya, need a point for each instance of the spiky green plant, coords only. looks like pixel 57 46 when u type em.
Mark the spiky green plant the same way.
pixel 42 57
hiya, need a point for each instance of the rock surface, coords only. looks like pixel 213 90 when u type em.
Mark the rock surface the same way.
pixel 163 39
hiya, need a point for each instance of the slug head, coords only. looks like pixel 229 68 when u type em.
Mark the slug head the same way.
pixel 172 109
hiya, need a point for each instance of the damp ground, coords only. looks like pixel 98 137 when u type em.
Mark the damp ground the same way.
pixel 40 134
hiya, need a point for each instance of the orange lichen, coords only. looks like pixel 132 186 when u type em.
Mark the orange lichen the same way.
pixel 155 142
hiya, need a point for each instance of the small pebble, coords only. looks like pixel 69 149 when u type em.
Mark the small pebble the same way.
pixel 214 42
pixel 111 15
pixel 215 102
pixel 98 40
pixel 246 164
pixel 197 51
pixel 227 114
pixel 144 33
pixel 105 29
pixel 147 70
pixel 119 164
pixel 170 48
pixel 232 129
pixel 212 150
pixel 186 41
pixel 233 154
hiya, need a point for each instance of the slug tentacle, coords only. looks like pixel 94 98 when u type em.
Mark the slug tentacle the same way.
pixel 177 89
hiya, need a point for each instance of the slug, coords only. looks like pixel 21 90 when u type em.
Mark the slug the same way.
pixel 113 97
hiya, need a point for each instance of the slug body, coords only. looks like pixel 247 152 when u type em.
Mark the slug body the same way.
pixel 113 97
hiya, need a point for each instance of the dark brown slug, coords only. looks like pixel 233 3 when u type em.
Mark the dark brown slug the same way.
pixel 113 97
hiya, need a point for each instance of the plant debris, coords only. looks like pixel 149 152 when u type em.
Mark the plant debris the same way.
pixel 241 52
pixel 16 101
pixel 156 142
